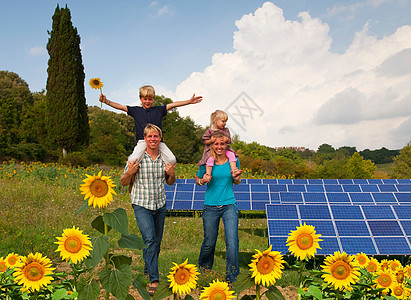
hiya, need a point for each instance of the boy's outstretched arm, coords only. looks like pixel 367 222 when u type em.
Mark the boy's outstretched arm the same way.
pixel 194 99
pixel 112 103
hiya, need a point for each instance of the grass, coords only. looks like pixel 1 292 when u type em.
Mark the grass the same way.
pixel 39 202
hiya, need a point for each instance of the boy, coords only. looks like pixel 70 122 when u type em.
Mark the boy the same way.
pixel 149 114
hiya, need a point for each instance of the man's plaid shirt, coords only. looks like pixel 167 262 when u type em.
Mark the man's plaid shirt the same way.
pixel 149 186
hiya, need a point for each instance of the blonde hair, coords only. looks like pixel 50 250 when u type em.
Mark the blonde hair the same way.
pixel 217 135
pixel 152 128
pixel 219 115
pixel 147 91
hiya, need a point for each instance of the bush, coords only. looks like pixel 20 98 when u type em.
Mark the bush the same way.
pixel 76 159
pixel 27 152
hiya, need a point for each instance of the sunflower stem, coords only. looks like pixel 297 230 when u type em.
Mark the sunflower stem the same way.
pixel 107 254
pixel 257 292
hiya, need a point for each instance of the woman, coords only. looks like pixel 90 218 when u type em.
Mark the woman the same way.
pixel 219 203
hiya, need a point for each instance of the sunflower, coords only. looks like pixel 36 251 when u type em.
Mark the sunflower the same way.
pixel 399 291
pixel 385 264
pixel 385 280
pixel 95 83
pixel 3 266
pixel 218 290
pixel 407 271
pixel 183 278
pixel 361 260
pixel 303 242
pixel 394 264
pixel 373 265
pixel 34 272
pixel 74 245
pixel 399 274
pixel 342 270
pixel 266 266
pixel 12 260
pixel 98 189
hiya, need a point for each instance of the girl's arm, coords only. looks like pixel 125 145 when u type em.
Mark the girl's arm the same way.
pixel 112 103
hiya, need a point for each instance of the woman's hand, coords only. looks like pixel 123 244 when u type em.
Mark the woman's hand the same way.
pixel 237 176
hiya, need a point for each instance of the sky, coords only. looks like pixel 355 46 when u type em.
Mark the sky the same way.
pixel 288 73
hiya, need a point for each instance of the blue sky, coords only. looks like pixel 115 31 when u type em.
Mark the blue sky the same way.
pixel 310 72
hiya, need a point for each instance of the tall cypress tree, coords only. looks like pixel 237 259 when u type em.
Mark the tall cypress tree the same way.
pixel 67 120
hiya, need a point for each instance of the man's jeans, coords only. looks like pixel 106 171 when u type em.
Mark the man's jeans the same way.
pixel 211 221
pixel 151 225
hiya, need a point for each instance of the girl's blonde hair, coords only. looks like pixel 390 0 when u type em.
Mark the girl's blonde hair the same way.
pixel 219 115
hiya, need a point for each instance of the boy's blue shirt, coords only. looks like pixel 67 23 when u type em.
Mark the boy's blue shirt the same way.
pixel 220 188
pixel 142 117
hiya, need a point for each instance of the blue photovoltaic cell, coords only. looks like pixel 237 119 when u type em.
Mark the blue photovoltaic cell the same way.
pixel 258 205
pixel 403 197
pixel 296 188
pixel 244 205
pixel 389 181
pixel 404 187
pixel 338 198
pixel 330 181
pixel 328 246
pixel 178 180
pixel 282 211
pixel 374 181
pixel 385 228
pixel 403 212
pixel 198 205
pixel 170 188
pixel 270 181
pixel 184 187
pixel 169 204
pixel 300 181
pixel 378 212
pixel 315 181
pixel 260 196
pixel 361 198
pixel 384 197
pixel 369 188
pixel 278 188
pixel 406 225
pixel 242 196
pixel 345 181
pixel 387 188
pixel 279 244
pixel 285 181
pixel 347 212
pixel 314 198
pixel 169 195
pixel 350 188
pixel 312 188
pixel 404 181
pixel 314 212
pixel 392 245
pixel 360 181
pixel 352 228
pixel 354 245
pixel 261 188
pixel 199 196
pixel 254 181
pixel 241 188
pixel 183 196
pixel 201 188
pixel 333 188
pixel 281 227
pixel 326 228
pixel 181 204
pixel 291 197
pixel 275 197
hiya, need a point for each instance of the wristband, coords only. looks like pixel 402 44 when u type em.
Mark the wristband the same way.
pixel 108 103
pixel 199 183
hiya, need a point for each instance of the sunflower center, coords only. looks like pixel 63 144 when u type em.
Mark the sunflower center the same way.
pixel 362 260
pixel 340 270
pixel 372 267
pixel 398 291
pixel 99 188
pixel 34 271
pixel 182 276
pixel 265 265
pixel 3 267
pixel 73 244
pixel 304 241
pixel 12 260
pixel 217 295
pixel 96 82
pixel 400 277
pixel 384 280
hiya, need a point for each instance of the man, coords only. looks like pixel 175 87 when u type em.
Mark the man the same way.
pixel 148 198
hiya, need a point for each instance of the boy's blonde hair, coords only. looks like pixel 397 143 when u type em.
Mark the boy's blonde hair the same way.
pixel 147 91
pixel 219 115
pixel 152 128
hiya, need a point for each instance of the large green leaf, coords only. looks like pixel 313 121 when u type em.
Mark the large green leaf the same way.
pixel 119 260
pixel 117 281
pixel 242 283
pixel 100 248
pixel 162 291
pixel 82 208
pixel 273 293
pixel 315 292
pixel 117 220
pixel 88 291
pixel 131 241
pixel 140 284
pixel 98 224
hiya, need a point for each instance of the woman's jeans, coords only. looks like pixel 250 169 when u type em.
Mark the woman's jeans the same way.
pixel 211 222
pixel 151 225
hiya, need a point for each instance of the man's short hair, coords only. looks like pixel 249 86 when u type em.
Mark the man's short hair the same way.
pixel 150 128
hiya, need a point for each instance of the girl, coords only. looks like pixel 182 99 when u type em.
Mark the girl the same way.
pixel 218 120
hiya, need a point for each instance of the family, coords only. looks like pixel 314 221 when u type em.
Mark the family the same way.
pixel 152 165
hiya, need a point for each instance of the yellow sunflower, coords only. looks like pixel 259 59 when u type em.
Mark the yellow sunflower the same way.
pixel 74 245
pixel 394 264
pixel 407 271
pixel 3 266
pixel 342 270
pixel 98 189
pixel 303 242
pixel 399 274
pixel 34 272
pixel 218 290
pixel 385 264
pixel 12 260
pixel 96 83
pixel 385 280
pixel 266 267
pixel 183 278
pixel 399 291
pixel 373 265
pixel 361 260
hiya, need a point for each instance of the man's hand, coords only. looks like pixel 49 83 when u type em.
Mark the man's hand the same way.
pixel 170 169
pixel 132 167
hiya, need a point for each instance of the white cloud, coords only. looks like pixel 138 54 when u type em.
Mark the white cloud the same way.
pixel 162 10
pixel 35 51
pixel 308 94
